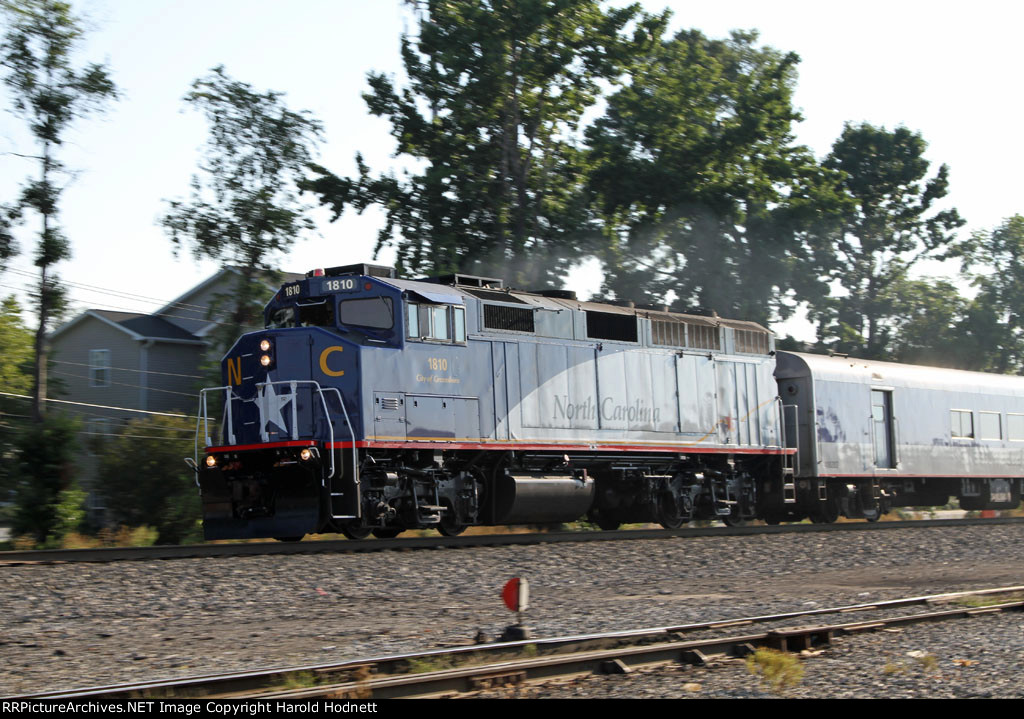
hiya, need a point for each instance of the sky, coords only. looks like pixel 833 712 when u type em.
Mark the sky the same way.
pixel 950 71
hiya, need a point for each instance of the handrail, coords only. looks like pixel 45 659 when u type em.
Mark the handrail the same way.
pixel 796 426
pixel 355 453
pixel 203 421
pixel 293 385
pixel 896 442
pixel 782 422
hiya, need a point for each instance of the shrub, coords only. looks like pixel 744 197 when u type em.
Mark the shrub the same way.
pixel 778 670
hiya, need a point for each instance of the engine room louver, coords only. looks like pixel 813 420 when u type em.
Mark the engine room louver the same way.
pixel 608 326
pixel 751 341
pixel 516 319
pixel 673 332
pixel 493 295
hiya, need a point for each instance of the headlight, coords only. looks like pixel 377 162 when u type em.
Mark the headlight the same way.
pixel 265 360
pixel 305 454
pixel 265 345
pixel 211 461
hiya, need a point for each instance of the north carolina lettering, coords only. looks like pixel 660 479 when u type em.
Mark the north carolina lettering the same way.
pixel 638 411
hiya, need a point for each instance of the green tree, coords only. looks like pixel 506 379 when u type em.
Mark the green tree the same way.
pixel 16 357
pixel 246 209
pixel 924 323
pixel 994 324
pixel 697 180
pixel 49 93
pixel 894 222
pixel 496 94
pixel 145 482
pixel 15 378
pixel 45 494
pixel 8 246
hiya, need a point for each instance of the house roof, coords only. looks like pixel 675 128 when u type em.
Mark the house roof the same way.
pixel 137 326
pixel 183 301
pixel 147 326
pixel 154 327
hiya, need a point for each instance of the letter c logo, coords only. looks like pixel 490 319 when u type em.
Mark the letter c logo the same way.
pixel 323 362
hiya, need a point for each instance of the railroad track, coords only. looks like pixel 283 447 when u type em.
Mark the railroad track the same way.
pixel 346 546
pixel 462 669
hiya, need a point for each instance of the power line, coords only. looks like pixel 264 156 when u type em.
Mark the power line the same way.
pixel 137 436
pixel 169 304
pixel 126 369
pixel 115 293
pixel 107 306
pixel 126 384
pixel 103 406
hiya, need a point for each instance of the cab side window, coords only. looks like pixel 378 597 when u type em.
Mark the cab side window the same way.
pixel 437 323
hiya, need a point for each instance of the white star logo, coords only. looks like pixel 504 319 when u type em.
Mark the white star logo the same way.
pixel 271 409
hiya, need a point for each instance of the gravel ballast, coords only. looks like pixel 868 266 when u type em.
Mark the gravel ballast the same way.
pixel 79 625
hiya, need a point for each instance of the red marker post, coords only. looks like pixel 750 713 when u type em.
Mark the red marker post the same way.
pixel 516 595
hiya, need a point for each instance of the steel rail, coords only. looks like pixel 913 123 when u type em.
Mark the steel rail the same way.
pixel 477 666
pixel 348 546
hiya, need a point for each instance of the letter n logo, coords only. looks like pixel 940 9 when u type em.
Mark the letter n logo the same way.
pixel 234 370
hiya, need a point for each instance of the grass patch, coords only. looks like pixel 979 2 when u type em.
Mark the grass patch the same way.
pixel 299 680
pixel 431 664
pixel 778 670
pixel 988 600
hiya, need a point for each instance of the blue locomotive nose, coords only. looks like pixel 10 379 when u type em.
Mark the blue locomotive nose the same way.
pixel 288 385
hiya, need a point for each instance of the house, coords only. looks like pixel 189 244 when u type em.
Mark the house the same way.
pixel 117 366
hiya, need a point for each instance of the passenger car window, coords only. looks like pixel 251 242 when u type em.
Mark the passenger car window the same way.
pixel 990 425
pixel 963 423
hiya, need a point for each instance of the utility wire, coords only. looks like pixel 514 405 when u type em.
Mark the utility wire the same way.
pixel 102 406
pixel 126 369
pixel 125 384
pixel 121 308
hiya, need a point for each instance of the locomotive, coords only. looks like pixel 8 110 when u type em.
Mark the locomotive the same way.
pixel 376 404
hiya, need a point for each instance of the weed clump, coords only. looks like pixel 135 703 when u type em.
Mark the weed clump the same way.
pixel 778 670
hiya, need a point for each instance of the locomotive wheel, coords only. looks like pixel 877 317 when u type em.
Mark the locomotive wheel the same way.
pixel 730 520
pixel 451 530
pixel 386 532
pixel 290 539
pixel 826 514
pixel 603 523
pixel 669 515
pixel 356 532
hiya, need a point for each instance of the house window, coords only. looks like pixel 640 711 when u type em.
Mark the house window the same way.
pixel 99 368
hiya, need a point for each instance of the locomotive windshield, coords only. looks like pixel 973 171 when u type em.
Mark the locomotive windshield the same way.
pixel 318 313
pixel 375 312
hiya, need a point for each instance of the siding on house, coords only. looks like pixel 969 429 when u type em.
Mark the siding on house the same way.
pixel 154 365
pixel 70 353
